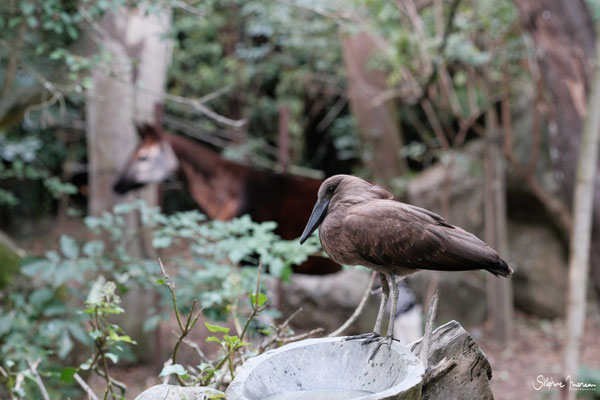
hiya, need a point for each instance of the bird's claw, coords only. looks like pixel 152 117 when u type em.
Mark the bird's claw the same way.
pixel 367 337
pixel 380 342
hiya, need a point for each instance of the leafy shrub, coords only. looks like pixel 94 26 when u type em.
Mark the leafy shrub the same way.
pixel 39 317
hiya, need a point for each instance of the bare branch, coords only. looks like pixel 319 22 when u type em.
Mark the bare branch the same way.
pixel 305 335
pixel 198 106
pixel 85 387
pixel 38 378
pixel 428 327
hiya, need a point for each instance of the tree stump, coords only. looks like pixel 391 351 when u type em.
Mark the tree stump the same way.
pixel 457 368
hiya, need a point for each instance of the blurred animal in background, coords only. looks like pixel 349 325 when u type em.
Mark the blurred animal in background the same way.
pixel 225 189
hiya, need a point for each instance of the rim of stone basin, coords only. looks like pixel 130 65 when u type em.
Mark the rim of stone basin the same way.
pixel 330 367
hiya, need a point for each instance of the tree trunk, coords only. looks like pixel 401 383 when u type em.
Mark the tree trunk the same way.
pixel 378 124
pixel 581 235
pixel 125 91
pixel 499 291
pixel 564 37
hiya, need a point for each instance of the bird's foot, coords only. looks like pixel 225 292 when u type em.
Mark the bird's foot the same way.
pixel 367 337
pixel 380 342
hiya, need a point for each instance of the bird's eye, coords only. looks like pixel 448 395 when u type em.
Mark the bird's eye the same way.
pixel 330 189
pixel 142 158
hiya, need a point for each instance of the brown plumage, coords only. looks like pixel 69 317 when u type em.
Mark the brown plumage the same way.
pixel 361 224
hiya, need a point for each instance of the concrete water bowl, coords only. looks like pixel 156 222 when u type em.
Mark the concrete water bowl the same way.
pixel 329 369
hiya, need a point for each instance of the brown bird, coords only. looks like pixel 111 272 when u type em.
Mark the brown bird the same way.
pixel 361 224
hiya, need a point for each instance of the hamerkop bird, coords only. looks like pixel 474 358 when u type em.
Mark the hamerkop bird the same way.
pixel 361 224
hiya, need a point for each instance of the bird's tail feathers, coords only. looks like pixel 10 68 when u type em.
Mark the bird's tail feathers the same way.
pixel 501 268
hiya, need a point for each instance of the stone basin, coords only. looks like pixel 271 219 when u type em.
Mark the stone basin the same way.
pixel 329 368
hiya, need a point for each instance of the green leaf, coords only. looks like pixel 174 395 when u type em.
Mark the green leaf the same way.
pixel 176 369
pixel 95 334
pixel 67 374
pixel 69 247
pixel 120 338
pixel 213 339
pixel 65 345
pixel 86 364
pixel 231 339
pixel 262 299
pixel 160 281
pixel 161 242
pixel 93 248
pixel 112 357
pixel 216 328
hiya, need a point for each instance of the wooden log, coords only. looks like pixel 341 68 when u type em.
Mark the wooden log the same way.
pixel 458 368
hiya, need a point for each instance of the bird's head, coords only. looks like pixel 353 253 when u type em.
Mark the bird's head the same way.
pixel 340 189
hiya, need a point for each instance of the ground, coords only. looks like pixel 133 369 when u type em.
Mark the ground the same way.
pixel 536 349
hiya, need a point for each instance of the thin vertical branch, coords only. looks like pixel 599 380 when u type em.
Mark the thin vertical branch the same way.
pixel 579 259
pixel 424 355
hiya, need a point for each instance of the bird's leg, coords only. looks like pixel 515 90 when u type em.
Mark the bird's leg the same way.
pixel 390 333
pixel 376 334
pixel 395 292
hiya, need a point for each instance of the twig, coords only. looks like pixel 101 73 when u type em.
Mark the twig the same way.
pixel 188 8
pixel 428 327
pixel 85 387
pixel 199 351
pixel 358 310
pixel 38 378
pixel 441 49
pixel 189 323
pixel 198 106
pixel 332 113
pixel 255 307
pixel 122 387
pixel 171 287
pixel 435 124
pixel 289 319
pixel 301 336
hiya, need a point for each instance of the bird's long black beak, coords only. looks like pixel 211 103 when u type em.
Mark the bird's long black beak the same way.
pixel 316 217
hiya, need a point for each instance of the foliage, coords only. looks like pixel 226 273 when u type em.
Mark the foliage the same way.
pixel 23 163
pixel 38 314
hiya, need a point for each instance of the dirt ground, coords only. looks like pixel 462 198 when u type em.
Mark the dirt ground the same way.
pixel 536 349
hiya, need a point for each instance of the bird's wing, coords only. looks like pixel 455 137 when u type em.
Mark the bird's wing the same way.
pixel 389 233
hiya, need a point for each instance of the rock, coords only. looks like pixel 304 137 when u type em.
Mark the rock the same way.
pixel 464 371
pixel 329 368
pixel 466 188
pixel 535 248
pixel 171 392
pixel 463 296
pixel 329 300
pixel 540 278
